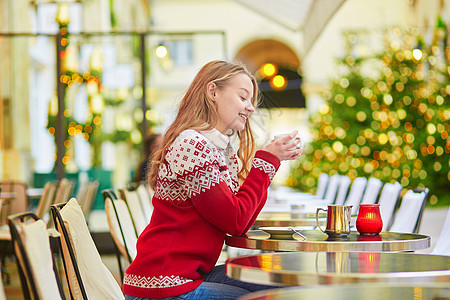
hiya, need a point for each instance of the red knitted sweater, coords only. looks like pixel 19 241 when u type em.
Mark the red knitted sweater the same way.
pixel 197 202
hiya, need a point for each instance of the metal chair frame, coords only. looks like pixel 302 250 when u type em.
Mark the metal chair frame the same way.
pixel 25 273
pixel 137 217
pixel 424 202
pixel 60 226
pixel 109 193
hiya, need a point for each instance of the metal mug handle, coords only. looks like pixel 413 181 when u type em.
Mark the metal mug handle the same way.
pixel 317 217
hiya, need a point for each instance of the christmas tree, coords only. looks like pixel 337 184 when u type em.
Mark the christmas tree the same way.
pixel 391 124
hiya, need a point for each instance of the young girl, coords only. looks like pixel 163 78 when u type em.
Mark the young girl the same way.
pixel 204 189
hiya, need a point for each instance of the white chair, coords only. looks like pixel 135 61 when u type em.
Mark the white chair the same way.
pixel 88 277
pixel 82 190
pixel 86 196
pixel 311 203
pixel 136 208
pixel 64 191
pixel 372 190
pixel 332 188
pixel 47 199
pixel 322 185
pixel 120 220
pixel 409 215
pixel 37 270
pixel 343 190
pixel 145 195
pixel 356 193
pixel 286 195
pixel 121 227
pixel 389 197
pixel 442 246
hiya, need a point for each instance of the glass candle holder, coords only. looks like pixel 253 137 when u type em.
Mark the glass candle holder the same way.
pixel 369 219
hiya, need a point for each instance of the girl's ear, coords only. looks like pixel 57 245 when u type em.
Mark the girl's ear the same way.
pixel 211 90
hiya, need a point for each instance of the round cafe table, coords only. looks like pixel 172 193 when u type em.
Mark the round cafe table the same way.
pixel 292 222
pixel 360 291
pixel 313 268
pixel 267 215
pixel 316 240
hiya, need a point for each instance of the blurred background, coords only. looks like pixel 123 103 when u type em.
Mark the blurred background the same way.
pixel 83 82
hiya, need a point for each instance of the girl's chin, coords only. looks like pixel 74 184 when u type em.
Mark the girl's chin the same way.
pixel 239 128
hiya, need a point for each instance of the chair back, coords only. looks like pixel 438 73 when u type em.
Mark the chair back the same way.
pixel 389 199
pixel 343 190
pixel 89 278
pixel 121 227
pixel 64 191
pixel 136 209
pixel 145 195
pixel 356 193
pixel 442 246
pixel 409 215
pixel 19 201
pixel 322 185
pixel 332 188
pixel 372 190
pixel 47 199
pixel 82 190
pixel 35 263
pixel 88 198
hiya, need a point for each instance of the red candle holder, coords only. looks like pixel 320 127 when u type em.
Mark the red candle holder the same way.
pixel 369 220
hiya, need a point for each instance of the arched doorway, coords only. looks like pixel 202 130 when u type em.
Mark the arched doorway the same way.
pixel 281 88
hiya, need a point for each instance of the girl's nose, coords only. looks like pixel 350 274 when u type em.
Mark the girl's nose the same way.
pixel 250 107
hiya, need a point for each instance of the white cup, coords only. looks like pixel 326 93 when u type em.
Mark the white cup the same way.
pixel 299 145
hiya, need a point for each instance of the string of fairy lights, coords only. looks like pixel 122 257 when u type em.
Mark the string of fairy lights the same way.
pixel 393 126
pixel 91 129
pixel 98 99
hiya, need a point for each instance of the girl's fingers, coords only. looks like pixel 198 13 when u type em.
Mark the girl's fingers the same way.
pixel 293 133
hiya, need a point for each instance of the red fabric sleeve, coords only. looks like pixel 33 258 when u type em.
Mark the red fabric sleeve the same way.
pixel 211 196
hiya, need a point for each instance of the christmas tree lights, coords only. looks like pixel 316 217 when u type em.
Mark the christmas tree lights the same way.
pixel 393 126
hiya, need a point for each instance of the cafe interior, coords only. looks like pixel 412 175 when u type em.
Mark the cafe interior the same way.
pixel 88 87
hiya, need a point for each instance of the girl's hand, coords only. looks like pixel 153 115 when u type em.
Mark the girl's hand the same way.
pixel 280 147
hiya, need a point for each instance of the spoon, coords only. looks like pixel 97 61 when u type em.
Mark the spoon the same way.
pixel 297 232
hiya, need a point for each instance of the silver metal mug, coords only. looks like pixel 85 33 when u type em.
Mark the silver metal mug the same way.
pixel 338 220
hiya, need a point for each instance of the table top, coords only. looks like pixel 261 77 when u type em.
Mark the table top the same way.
pixel 356 291
pixel 291 222
pixel 7 195
pixel 268 215
pixel 34 192
pixel 311 268
pixel 316 240
pixel 5 234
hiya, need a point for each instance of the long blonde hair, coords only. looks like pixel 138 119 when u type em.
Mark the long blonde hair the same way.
pixel 198 111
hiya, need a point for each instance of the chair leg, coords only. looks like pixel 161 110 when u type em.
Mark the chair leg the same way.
pixel 5 276
pixel 119 261
pixel 119 257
